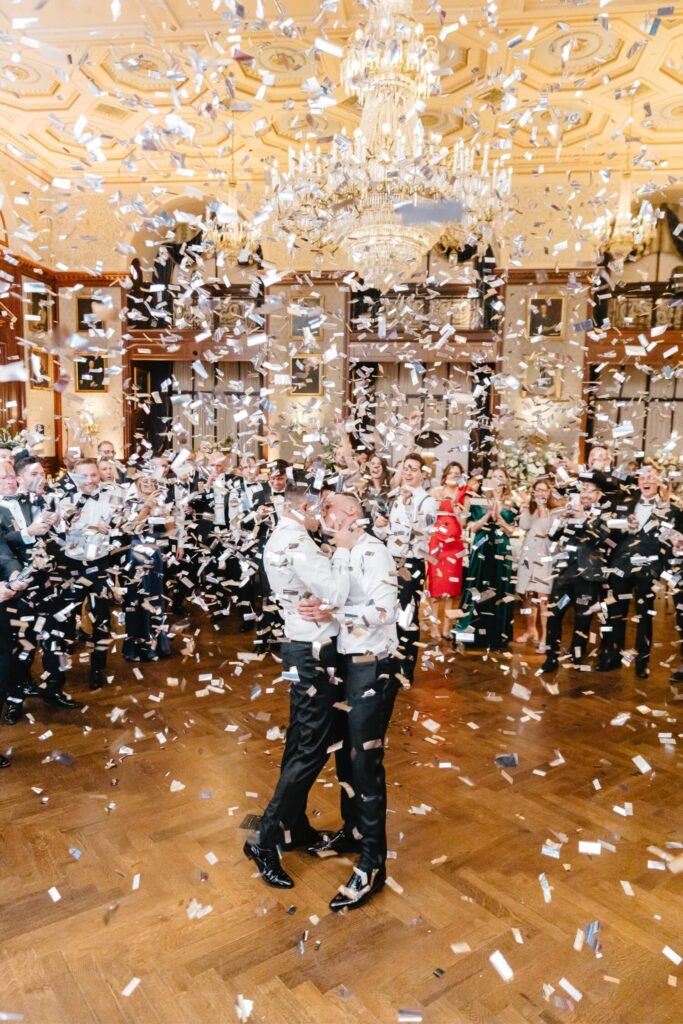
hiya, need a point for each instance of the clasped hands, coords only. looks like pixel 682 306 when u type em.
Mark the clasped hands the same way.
pixel 312 609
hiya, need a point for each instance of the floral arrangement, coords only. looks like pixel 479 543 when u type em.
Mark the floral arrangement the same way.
pixel 524 465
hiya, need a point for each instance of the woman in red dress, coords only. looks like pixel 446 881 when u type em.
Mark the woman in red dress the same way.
pixel 444 566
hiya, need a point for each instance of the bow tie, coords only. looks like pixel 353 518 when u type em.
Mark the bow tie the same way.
pixel 646 501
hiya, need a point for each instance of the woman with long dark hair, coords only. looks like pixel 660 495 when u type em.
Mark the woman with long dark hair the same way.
pixel 487 595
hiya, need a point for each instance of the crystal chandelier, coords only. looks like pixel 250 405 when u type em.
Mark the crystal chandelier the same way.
pixel 228 232
pixel 622 233
pixel 356 197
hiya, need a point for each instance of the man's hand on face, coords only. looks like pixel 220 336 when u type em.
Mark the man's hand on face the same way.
pixel 311 609
pixel 346 537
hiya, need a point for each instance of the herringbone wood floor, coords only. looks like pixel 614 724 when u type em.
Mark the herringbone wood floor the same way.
pixel 467 853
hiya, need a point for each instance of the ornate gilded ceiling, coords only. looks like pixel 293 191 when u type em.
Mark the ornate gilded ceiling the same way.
pixel 145 96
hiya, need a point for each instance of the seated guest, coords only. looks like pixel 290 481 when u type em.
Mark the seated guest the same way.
pixel 640 553
pixel 146 521
pixel 579 535
pixel 486 599
pixel 534 568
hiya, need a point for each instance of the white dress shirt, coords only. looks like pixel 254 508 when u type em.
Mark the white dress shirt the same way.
pixel 407 535
pixel 83 543
pixel 297 568
pixel 643 511
pixel 219 493
pixel 368 619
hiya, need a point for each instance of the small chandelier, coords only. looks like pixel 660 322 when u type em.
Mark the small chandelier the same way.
pixel 624 233
pixel 228 232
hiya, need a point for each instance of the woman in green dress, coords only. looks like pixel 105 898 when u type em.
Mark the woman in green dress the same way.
pixel 487 605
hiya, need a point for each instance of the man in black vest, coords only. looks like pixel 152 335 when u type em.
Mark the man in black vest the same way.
pixel 640 553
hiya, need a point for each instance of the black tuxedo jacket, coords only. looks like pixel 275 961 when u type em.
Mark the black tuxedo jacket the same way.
pixel 643 553
pixel 584 549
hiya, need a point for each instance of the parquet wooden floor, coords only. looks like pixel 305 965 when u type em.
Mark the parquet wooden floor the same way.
pixel 132 810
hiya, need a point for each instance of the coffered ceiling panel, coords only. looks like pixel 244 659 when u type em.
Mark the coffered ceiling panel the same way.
pixel 151 92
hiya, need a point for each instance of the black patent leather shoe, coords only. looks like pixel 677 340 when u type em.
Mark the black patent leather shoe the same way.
pixel 361 887
pixel 4 763
pixel 12 712
pixel 333 844
pixel 62 700
pixel 97 679
pixel 677 676
pixel 550 665
pixel 267 861
pixel 642 670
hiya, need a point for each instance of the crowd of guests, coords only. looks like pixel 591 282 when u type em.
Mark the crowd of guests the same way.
pixel 337 569
pixel 156 536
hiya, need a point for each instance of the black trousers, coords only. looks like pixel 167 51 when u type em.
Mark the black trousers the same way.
pixel 581 595
pixel 410 592
pixel 26 613
pixel 309 738
pixel 5 654
pixel 640 587
pixel 82 582
pixel 369 692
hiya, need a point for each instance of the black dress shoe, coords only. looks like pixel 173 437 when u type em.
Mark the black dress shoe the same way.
pixel 334 843
pixel 677 676
pixel 550 665
pixel 361 887
pixel 608 664
pixel 12 712
pixel 61 700
pixel 246 627
pixel 267 861
pixel 4 763
pixel 642 670
pixel 97 679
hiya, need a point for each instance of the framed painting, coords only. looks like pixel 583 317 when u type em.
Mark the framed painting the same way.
pixel 91 374
pixel 305 314
pixel 544 379
pixel 40 369
pixel 306 375
pixel 546 316
pixel 38 307
pixel 85 318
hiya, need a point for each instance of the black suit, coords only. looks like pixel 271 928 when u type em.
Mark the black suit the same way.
pixel 637 561
pixel 579 579
pixel 253 535
pixel 8 565
pixel 32 604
